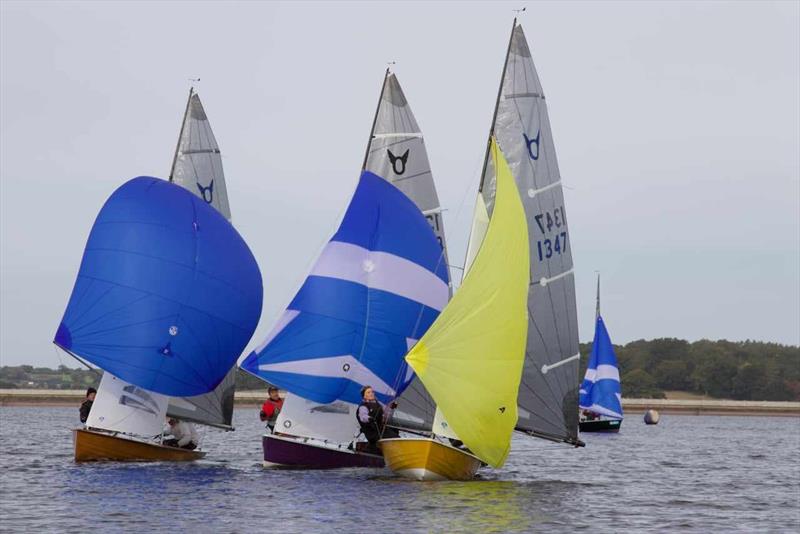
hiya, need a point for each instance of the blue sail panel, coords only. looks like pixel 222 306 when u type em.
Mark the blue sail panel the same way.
pixel 600 391
pixel 168 293
pixel 376 288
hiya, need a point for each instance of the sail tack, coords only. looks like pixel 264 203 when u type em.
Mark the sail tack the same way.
pixel 198 163
pixel 548 397
pixel 168 294
pixel 476 348
pixel 600 391
pixel 375 289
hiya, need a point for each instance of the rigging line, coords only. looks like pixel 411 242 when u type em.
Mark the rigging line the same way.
pixel 375 118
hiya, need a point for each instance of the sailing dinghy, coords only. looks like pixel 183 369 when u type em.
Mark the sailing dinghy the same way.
pixel 471 358
pixel 372 294
pixel 601 392
pixel 547 402
pixel 130 408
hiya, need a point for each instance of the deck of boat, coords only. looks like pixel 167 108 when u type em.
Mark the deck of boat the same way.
pixel 428 459
pixel 93 446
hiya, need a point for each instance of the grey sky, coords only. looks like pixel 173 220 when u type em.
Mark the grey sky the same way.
pixel 677 127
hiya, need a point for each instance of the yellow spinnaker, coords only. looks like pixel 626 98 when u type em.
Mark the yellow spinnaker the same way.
pixel 470 360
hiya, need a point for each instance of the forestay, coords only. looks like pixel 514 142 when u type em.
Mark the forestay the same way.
pixel 548 395
pixel 396 152
pixel 471 359
pixel 168 294
pixel 375 289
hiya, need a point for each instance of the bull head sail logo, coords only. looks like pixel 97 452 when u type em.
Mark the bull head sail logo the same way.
pixel 402 159
pixel 138 399
pixel 530 142
pixel 210 190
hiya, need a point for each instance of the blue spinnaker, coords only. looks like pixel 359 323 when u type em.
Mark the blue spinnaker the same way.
pixel 600 391
pixel 378 285
pixel 168 293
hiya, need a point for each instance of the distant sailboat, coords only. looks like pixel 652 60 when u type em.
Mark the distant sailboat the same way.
pixel 130 408
pixel 322 355
pixel 601 393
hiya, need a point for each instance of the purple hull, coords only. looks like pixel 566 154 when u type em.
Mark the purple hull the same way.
pixel 291 452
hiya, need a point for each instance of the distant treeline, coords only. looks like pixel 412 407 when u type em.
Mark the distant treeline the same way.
pixel 29 377
pixel 744 370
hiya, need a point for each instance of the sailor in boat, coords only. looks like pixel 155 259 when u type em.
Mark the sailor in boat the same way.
pixel 372 418
pixel 271 408
pixel 184 435
pixel 86 405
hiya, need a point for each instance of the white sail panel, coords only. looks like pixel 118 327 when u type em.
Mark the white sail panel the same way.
pixel 123 407
pixel 522 129
pixel 480 224
pixel 335 422
pixel 440 426
pixel 198 162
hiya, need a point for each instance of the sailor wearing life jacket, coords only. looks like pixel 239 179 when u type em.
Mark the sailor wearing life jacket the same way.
pixel 271 408
pixel 372 418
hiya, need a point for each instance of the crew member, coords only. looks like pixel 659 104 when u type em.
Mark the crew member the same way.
pixel 184 435
pixel 271 408
pixel 86 405
pixel 372 418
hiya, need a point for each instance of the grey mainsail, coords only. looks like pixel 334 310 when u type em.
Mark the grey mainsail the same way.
pixel 396 151
pixel 197 166
pixel 548 395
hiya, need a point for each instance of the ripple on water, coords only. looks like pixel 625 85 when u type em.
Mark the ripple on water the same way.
pixel 688 473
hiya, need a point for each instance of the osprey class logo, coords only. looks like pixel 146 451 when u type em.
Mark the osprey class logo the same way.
pixel 402 159
pixel 210 190
pixel 531 142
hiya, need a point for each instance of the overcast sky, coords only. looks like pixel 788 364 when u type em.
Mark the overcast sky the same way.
pixel 677 127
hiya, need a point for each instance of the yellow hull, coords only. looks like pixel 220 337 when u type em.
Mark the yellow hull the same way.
pixel 428 459
pixel 92 446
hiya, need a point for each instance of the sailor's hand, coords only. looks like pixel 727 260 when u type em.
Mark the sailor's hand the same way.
pixel 393 405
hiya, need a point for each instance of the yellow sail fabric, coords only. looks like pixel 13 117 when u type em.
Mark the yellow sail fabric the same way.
pixel 470 359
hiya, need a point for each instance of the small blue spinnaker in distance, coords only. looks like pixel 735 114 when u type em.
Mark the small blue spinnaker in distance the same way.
pixel 168 293
pixel 376 288
pixel 600 391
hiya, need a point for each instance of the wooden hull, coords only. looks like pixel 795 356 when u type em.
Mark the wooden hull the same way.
pixel 93 446
pixel 601 425
pixel 428 459
pixel 291 451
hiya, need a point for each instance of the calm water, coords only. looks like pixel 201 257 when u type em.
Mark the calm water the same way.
pixel 687 473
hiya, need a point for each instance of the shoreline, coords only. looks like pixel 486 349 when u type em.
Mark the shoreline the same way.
pixel 56 397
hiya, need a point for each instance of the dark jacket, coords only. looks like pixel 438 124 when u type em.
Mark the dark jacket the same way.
pixel 86 407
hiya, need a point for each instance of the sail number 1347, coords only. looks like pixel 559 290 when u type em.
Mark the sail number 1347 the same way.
pixel 553 223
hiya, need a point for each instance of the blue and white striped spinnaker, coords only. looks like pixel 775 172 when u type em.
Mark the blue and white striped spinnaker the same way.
pixel 378 285
pixel 600 391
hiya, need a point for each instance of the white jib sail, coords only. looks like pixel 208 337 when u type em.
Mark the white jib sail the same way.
pixel 123 407
pixel 335 422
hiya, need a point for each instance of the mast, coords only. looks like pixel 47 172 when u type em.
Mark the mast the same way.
pixel 597 310
pixel 375 120
pixel 496 105
pixel 180 135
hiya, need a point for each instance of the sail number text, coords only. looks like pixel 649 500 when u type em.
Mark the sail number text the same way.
pixel 554 225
